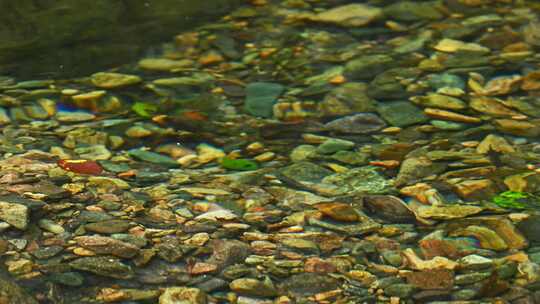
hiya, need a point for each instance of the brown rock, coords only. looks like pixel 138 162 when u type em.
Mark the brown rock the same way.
pixel 476 189
pixel 227 252
pixel 447 212
pixel 418 191
pixel 531 82
pixel 200 268
pixel 389 207
pixel 477 172
pixel 524 182
pixel 174 295
pixel 451 116
pixel 107 245
pixel 517 127
pixel 502 85
pixel 414 262
pixel 495 143
pixel 488 238
pixel 431 279
pixel 338 211
pixel 500 225
pixel 414 169
pixel 318 265
pixel 435 247
pixel 491 107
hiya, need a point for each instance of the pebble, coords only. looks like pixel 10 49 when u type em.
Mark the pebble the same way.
pixel 175 295
pixel 261 97
pixel 107 80
pixel 16 215
pixel 103 266
pixel 362 123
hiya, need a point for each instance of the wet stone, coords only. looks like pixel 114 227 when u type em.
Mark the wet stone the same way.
pixel 349 15
pixel 74 116
pixel 361 180
pixel 334 145
pixel 227 252
pixel 410 11
pixel 14 214
pixel 399 290
pixel 431 279
pixel 175 295
pixel 437 81
pixel 108 227
pixel 260 98
pixel 253 287
pixel 103 266
pixel 367 67
pixel 73 279
pixel 47 252
pixel 347 99
pixel 113 80
pixel 413 170
pixel 531 228
pixel 106 245
pixel 470 278
pixel 153 157
pixel 309 284
pixel 351 158
pixel 389 207
pixel 401 113
pixel 305 172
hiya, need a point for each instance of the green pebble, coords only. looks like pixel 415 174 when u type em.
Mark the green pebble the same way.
pixel 238 164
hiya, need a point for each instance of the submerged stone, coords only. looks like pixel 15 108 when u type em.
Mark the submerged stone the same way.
pixel 261 97
pixel 16 215
pixel 153 157
pixel 103 266
pixel 362 123
pixel 108 80
pixel 401 113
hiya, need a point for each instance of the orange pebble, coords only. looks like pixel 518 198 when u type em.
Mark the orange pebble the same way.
pixel 128 174
pixel 388 164
pixel 338 79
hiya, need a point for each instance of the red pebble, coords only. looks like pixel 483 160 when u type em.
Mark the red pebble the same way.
pixel 82 166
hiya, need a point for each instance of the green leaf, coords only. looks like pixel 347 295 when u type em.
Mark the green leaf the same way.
pixel 513 199
pixel 144 109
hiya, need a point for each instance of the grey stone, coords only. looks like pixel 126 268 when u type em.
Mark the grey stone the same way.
pixel 361 123
pixel 67 278
pixel 228 252
pixel 401 113
pixel 367 66
pixel 153 157
pixel 305 172
pixel 261 97
pixel 309 284
pixel 361 180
